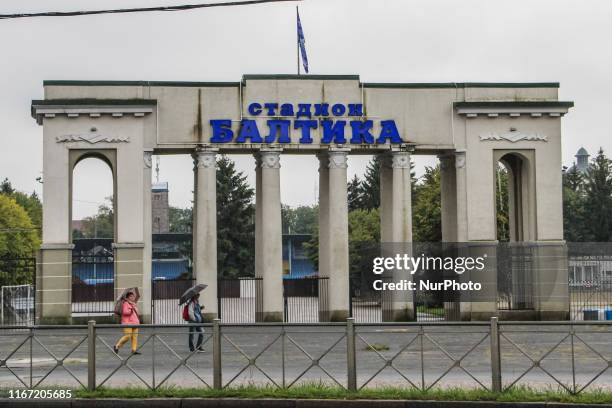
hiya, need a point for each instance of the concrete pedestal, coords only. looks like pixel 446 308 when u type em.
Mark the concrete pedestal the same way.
pixel 129 269
pixel 54 284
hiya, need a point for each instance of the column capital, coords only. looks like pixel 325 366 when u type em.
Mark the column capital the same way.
pixel 460 159
pixel 268 158
pixel 204 158
pixel 338 159
pixel 323 160
pixel 446 161
pixel 400 160
pixel 147 158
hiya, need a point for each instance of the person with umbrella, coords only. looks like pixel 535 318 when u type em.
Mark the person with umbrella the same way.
pixel 194 313
pixel 129 316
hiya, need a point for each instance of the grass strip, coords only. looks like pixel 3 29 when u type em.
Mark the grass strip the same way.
pixel 323 391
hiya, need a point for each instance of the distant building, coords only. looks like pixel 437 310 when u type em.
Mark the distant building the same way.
pixel 296 263
pixel 582 160
pixel 160 208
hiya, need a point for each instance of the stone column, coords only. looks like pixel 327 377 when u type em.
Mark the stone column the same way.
pixel 402 200
pixel 386 198
pixel 448 198
pixel 461 196
pixel 205 231
pixel 396 227
pixel 148 246
pixel 259 314
pixel 323 235
pixel 338 238
pixel 269 261
pixel 448 204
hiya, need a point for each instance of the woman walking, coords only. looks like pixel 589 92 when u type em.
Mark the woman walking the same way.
pixel 129 316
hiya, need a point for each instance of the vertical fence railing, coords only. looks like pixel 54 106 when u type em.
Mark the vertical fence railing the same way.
pixel 368 305
pixel 590 281
pixel 305 300
pixel 239 299
pixel 17 291
pixel 165 307
pixel 514 277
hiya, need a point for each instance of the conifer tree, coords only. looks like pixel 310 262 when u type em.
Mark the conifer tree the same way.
pixel 598 197
pixel 235 221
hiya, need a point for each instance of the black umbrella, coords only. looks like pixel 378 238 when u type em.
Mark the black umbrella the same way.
pixel 191 292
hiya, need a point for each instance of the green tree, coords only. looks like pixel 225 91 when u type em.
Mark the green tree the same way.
pixel 573 206
pixel 180 219
pixel 370 185
pixel 598 195
pixel 502 204
pixel 426 208
pixel 355 196
pixel 299 220
pixel 364 235
pixel 235 221
pixel 18 239
pixel 30 202
pixel 100 225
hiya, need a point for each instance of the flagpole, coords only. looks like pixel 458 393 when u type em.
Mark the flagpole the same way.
pixel 297 42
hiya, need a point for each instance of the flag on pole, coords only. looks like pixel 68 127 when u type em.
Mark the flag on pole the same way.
pixel 301 43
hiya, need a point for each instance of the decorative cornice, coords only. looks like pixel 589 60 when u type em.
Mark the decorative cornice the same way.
pixel 493 109
pixel 127 245
pixel 94 108
pixel 51 246
pixel 92 138
pixel 514 137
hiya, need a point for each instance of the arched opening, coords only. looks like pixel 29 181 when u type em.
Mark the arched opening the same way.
pixel 515 196
pixel 515 223
pixel 93 230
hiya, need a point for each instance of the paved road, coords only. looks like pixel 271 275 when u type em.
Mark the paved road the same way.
pixel 164 352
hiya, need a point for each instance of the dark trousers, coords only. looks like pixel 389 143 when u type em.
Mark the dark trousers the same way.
pixel 192 334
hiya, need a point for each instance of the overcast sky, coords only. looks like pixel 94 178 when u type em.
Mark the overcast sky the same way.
pixel 381 40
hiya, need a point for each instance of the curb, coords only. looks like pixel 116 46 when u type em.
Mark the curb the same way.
pixel 274 403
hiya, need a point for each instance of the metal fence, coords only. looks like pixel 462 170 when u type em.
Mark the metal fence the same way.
pixel 305 300
pixel 367 305
pixel 239 299
pixel 164 300
pixel 496 356
pixel 17 290
pixel 590 281
pixel 514 277
pixel 93 280
pixel 17 305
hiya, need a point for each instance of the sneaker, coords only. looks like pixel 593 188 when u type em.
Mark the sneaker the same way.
pixel 136 353
pixel 116 349
pixel 201 350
